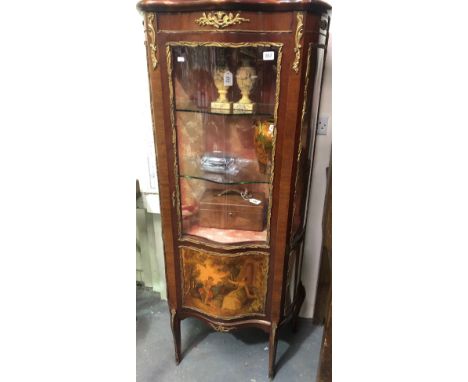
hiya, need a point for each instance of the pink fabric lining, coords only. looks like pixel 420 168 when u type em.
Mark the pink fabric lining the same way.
pixel 227 235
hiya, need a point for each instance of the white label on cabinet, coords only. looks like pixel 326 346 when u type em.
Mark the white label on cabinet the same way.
pixel 228 78
pixel 268 56
pixel 181 59
pixel 271 128
pixel 255 201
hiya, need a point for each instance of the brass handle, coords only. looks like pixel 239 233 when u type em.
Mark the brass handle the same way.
pixel 245 194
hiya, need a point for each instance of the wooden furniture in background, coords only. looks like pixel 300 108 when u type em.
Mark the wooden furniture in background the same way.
pixel 235 89
pixel 325 365
pixel 324 284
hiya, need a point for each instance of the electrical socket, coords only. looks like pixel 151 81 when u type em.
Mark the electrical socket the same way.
pixel 322 127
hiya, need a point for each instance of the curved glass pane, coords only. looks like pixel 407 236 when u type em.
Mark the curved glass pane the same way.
pixel 224 105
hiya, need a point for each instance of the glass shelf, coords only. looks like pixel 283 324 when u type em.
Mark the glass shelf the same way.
pixel 262 110
pixel 244 171
pixel 215 178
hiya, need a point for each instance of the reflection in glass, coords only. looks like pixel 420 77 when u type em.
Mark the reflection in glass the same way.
pixel 224 119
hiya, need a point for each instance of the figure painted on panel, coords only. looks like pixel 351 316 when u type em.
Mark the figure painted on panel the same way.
pixel 207 293
pixel 224 285
pixel 238 297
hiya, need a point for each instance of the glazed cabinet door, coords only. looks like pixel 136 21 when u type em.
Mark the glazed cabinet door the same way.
pixel 223 108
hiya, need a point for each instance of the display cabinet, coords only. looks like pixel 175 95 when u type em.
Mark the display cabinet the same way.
pixel 235 89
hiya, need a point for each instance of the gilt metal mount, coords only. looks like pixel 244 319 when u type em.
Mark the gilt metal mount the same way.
pixel 220 19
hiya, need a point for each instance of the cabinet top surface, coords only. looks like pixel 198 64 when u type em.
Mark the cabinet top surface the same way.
pixel 253 5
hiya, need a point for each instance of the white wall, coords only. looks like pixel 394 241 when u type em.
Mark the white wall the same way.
pixel 313 237
pixel 145 165
pixel 150 258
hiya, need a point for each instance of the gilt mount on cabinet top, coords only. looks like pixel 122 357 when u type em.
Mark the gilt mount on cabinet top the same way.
pixel 234 89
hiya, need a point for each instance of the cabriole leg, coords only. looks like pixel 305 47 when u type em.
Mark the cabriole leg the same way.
pixel 175 326
pixel 273 345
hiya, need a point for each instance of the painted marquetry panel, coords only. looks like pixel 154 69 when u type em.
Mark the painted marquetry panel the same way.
pixel 225 286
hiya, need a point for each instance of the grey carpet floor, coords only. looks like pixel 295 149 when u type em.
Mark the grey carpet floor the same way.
pixel 209 356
